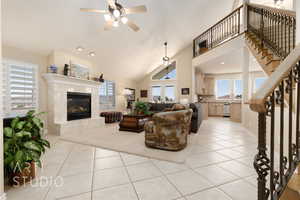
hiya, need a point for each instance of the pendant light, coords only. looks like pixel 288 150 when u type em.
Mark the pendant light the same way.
pixel 166 59
pixel 278 3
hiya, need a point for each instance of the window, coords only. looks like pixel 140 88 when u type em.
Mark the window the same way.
pixel 238 89
pixel 168 73
pixel 163 93
pixel 170 93
pixel 229 89
pixel 258 82
pixel 19 88
pixel 156 93
pixel 223 89
pixel 107 95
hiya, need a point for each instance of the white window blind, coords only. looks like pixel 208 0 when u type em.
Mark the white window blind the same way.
pixel 107 95
pixel 19 88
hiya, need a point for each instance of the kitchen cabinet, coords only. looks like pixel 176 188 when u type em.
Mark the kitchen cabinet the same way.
pixel 215 109
pixel 204 111
pixel 236 112
pixel 200 83
pixel 209 85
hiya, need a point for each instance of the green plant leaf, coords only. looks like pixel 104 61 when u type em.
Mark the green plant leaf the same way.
pixel 32 145
pixel 37 122
pixel 45 143
pixel 30 113
pixel 29 125
pixel 19 134
pixel 39 164
pixel 20 125
pixel 6 145
pixel 8 159
pixel 26 133
pixel 8 132
pixel 14 122
pixel 19 156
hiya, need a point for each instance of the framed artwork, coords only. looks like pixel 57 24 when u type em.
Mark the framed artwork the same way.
pixel 79 71
pixel 144 93
pixel 185 91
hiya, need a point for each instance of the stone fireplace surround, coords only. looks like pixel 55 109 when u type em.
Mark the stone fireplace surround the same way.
pixel 58 87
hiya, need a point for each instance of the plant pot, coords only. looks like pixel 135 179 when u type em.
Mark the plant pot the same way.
pixel 20 178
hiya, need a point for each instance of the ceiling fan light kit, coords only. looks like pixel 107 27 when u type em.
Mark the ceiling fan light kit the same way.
pixel 116 13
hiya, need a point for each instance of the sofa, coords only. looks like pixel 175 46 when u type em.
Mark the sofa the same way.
pixel 159 107
pixel 168 130
pixel 196 117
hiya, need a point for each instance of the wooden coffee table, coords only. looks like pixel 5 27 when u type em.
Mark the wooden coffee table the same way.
pixel 133 123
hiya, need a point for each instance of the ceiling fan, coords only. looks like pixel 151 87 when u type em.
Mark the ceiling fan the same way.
pixel 116 13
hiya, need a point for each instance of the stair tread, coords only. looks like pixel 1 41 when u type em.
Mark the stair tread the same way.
pixel 294 183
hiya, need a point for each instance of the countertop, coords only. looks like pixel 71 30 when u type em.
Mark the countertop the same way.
pixel 221 101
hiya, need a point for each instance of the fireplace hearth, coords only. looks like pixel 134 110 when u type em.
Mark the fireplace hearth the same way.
pixel 78 106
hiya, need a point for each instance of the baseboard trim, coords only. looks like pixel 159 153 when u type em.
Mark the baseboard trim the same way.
pixel 3 197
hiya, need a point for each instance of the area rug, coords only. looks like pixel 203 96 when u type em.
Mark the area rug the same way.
pixel 109 137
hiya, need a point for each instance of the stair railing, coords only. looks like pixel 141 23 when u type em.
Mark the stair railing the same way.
pixel 269 102
pixel 275 28
pixel 226 29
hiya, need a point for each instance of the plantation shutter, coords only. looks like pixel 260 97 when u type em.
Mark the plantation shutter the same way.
pixel 107 95
pixel 20 89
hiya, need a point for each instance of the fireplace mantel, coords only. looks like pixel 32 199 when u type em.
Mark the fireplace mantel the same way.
pixel 51 78
pixel 58 87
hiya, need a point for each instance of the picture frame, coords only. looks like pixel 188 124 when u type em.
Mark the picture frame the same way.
pixel 79 71
pixel 185 91
pixel 144 93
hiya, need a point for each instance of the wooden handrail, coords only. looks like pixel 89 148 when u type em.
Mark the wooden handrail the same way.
pixel 258 101
pixel 276 10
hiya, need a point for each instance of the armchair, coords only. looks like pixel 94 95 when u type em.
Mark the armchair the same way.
pixel 168 130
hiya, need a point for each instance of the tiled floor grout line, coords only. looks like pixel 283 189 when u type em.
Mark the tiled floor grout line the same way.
pixel 59 170
pixel 93 174
pixel 189 167
pixel 164 175
pixel 131 182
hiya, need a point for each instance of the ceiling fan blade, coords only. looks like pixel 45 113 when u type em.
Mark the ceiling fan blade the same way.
pixel 108 25
pixel 93 10
pixel 133 26
pixel 112 3
pixel 136 9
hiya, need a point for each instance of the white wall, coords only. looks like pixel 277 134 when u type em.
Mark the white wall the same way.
pixel 287 4
pixel 16 54
pixel 60 58
pixel 184 75
pixel 2 197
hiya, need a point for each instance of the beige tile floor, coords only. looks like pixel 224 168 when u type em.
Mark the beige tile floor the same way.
pixel 220 169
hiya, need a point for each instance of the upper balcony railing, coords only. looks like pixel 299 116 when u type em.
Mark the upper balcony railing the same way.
pixel 275 28
pixel 226 29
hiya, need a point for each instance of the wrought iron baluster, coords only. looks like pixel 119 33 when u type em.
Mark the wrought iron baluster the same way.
pixel 261 161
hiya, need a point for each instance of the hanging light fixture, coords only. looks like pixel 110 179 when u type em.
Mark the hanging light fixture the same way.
pixel 166 59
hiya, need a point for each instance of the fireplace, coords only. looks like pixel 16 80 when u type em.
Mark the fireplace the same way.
pixel 78 106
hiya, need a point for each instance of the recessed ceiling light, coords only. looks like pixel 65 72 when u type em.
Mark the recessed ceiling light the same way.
pixel 92 54
pixel 79 49
pixel 222 63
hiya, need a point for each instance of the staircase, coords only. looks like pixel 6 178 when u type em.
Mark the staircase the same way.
pixel 264 56
pixel 271 37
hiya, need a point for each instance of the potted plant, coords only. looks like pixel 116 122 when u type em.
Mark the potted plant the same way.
pixel 141 108
pixel 23 147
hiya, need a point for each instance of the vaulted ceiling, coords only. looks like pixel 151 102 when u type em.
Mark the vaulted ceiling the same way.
pixel 42 26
